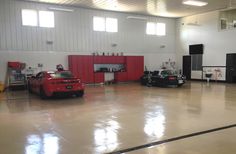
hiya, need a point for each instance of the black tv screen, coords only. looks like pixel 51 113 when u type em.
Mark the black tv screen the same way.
pixel 196 49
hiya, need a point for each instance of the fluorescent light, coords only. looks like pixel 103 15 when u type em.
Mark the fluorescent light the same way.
pixel 60 9
pixel 136 17
pixel 194 3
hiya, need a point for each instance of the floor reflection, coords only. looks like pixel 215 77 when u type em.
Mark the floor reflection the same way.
pixel 155 123
pixel 46 144
pixel 106 138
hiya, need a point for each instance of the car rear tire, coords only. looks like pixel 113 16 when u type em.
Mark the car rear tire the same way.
pixel 80 93
pixel 42 93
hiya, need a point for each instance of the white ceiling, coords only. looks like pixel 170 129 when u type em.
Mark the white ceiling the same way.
pixel 164 8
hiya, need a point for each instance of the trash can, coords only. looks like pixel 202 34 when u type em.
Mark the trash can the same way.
pixel 208 76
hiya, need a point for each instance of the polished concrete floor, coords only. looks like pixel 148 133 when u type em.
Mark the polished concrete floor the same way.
pixel 116 117
pixel 222 142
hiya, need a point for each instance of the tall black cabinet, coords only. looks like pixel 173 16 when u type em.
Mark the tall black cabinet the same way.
pixel 187 67
pixel 231 68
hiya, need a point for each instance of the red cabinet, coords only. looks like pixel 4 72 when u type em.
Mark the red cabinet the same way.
pixel 73 65
pixel 121 76
pixel 82 67
pixel 118 60
pixel 134 67
pixel 139 66
pixel 109 59
pixel 97 59
pixel 98 77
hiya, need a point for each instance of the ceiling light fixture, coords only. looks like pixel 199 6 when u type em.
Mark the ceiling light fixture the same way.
pixel 60 9
pixel 194 3
pixel 136 17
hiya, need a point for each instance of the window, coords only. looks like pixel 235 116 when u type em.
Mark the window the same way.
pixel 29 18
pixel 156 29
pixel 40 75
pixel 161 29
pixel 151 28
pixel 197 62
pixel 111 25
pixel 63 74
pixel 105 24
pixel 38 18
pixel 46 19
pixel 98 24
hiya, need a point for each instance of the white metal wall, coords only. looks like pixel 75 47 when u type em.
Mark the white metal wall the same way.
pixel 217 43
pixel 73 34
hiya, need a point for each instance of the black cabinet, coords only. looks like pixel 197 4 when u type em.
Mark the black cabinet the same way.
pixel 187 67
pixel 231 68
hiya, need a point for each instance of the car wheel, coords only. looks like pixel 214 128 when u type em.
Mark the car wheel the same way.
pixel 80 93
pixel 180 85
pixel 42 93
pixel 142 81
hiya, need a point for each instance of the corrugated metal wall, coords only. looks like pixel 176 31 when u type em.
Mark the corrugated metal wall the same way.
pixel 73 32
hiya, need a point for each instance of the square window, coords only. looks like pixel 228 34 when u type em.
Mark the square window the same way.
pixel 98 24
pixel 151 28
pixel 111 25
pixel 29 18
pixel 161 29
pixel 46 19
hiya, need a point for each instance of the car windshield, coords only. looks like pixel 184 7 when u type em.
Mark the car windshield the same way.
pixel 63 74
pixel 168 72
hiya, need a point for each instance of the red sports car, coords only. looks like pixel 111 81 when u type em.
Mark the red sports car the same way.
pixel 49 83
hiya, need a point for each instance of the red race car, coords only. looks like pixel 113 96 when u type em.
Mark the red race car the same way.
pixel 49 83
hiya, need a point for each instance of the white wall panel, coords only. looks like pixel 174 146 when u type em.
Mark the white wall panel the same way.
pixel 216 43
pixel 73 34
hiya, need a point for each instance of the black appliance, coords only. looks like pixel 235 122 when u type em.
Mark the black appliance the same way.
pixel 196 49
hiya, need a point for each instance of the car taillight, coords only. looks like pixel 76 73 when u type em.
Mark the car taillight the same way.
pixel 171 78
